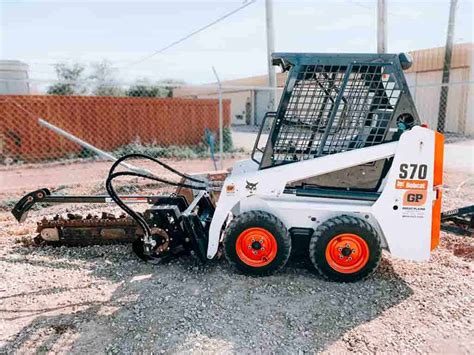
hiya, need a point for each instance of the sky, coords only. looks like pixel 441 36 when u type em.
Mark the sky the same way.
pixel 42 33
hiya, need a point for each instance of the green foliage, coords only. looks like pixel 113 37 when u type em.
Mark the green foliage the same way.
pixel 143 88
pixel 228 144
pixel 61 89
pixel 227 139
pixel 86 153
pixel 107 90
pixel 69 77
pixel 103 76
pixel 172 84
pixel 7 204
pixel 200 150
pixel 158 151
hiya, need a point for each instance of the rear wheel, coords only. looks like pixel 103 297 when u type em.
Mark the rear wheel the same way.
pixel 345 249
pixel 257 243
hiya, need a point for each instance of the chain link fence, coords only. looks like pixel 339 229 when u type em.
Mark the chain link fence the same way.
pixel 455 120
pixel 162 127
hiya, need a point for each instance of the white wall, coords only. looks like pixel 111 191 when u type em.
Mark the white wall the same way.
pixel 262 103
pixel 11 74
pixel 239 110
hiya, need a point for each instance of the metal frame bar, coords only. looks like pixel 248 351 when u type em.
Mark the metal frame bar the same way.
pixel 305 126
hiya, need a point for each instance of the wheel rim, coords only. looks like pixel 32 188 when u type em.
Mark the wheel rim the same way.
pixel 347 253
pixel 256 247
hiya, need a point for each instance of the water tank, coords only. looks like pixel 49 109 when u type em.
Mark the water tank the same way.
pixel 13 76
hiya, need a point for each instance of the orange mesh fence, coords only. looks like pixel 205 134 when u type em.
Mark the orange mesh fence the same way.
pixel 105 122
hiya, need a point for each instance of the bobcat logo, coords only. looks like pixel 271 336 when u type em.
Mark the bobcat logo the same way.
pixel 251 187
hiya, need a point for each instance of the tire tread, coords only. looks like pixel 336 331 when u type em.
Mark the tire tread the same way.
pixel 257 217
pixel 343 220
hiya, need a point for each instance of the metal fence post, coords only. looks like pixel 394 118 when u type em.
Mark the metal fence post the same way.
pixel 448 51
pixel 221 121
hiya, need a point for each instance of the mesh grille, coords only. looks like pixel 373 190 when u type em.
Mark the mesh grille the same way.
pixel 332 109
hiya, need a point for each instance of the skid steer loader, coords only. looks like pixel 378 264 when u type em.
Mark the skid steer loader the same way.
pixel 347 168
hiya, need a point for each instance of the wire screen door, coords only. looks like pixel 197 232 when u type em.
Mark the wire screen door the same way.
pixel 332 109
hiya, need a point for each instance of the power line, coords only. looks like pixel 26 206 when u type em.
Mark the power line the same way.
pixel 182 39
pixel 244 5
pixel 361 5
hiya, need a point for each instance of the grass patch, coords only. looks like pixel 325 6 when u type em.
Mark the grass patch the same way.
pixel 7 204
pixel 158 151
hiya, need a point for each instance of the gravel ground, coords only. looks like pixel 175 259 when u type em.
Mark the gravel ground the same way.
pixel 102 299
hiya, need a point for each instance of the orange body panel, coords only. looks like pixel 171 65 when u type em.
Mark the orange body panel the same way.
pixel 437 182
pixel 436 220
pixel 439 159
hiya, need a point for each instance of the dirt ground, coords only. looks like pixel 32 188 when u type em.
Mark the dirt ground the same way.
pixel 21 179
pixel 101 299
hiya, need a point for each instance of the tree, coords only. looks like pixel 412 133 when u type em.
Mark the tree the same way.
pixel 144 90
pixel 163 88
pixel 69 80
pixel 172 83
pixel 104 83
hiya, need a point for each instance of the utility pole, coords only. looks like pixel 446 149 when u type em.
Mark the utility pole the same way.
pixel 270 50
pixel 448 51
pixel 381 27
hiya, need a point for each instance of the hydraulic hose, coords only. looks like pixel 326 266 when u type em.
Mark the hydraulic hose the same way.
pixel 135 215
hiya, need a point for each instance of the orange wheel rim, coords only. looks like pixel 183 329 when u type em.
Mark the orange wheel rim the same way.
pixel 347 253
pixel 256 247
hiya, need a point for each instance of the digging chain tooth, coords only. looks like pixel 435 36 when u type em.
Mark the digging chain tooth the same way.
pixel 106 215
pixel 91 221
pixel 73 216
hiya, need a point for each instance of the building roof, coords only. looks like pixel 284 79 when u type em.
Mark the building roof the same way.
pixel 423 60
pixel 242 84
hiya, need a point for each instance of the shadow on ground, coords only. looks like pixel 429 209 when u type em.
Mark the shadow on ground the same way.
pixel 181 306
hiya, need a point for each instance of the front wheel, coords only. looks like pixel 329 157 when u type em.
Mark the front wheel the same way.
pixel 345 249
pixel 257 243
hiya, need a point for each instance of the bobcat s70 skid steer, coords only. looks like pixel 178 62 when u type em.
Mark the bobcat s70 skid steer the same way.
pixel 347 167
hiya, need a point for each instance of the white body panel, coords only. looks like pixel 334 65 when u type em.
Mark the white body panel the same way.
pixel 405 231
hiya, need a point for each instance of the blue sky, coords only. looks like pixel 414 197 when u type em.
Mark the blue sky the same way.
pixel 45 32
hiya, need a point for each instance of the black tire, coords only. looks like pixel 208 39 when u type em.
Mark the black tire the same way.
pixel 337 226
pixel 272 225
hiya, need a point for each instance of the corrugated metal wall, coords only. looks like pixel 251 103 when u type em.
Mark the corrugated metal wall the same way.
pixel 424 78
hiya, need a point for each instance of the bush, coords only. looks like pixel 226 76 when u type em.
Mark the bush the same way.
pixel 69 80
pixel 158 151
pixel 227 139
pixel 200 150
pixel 145 91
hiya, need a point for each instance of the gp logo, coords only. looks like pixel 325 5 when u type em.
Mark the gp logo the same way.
pixel 414 198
